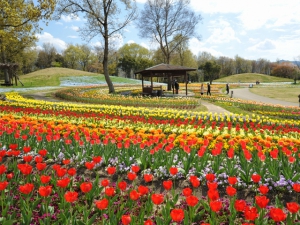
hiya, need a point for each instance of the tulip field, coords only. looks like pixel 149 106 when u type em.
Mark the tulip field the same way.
pixel 68 163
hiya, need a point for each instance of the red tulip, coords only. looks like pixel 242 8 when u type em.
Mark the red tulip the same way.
pixel 3 185
pixel 105 183
pixel 215 206
pixel 255 178
pixel 72 171
pixel 232 180
pixel 102 204
pixel 38 159
pixel 86 187
pixel 194 181
pixel 122 185
pixel 293 207
pixel 126 219
pixel 167 184
pixel 10 176
pixel 134 195
pixel 45 179
pixel 292 159
pixel 41 166
pixel 240 205
pixel 173 171
pixel 2 169
pixel 261 201
pixel 213 195
pixel 187 192
pixel 250 213
pixel 89 165
pixel 296 187
pixel 45 190
pixel 97 159
pixel 63 183
pixel 148 177
pixel 212 185
pixel 13 146
pixel 26 188
pixel 177 215
pixel 66 161
pixel 26 149
pixel 25 168
pixel 192 200
pixel 111 170
pixel 110 191
pixel 27 158
pixel 210 177
pixel 231 191
pixel 135 168
pixel 157 199
pixel 263 189
pixel 143 190
pixel 277 214
pixel 71 196
pixel 131 176
pixel 148 222
pixel 43 152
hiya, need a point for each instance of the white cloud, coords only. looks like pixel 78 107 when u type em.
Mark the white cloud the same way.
pixel 265 45
pixel 116 41
pixel 276 49
pixel 59 23
pixel 59 44
pixel 72 36
pixel 254 14
pixel 70 18
pixel 130 42
pixel 221 31
pixel 141 1
pixel 75 28
pixel 145 45
pixel 197 46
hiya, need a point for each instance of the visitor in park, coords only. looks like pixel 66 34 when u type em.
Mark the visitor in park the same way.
pixel 202 89
pixel 227 88
pixel 173 85
pixel 208 89
pixel 176 86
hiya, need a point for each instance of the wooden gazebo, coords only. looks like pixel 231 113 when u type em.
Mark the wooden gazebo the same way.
pixel 167 71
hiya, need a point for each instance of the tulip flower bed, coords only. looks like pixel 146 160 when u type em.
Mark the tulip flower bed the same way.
pixel 74 164
pixel 96 96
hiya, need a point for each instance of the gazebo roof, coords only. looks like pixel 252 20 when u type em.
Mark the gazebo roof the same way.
pixel 165 68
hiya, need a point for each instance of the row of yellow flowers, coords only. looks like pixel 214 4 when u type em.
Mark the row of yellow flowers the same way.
pixel 17 100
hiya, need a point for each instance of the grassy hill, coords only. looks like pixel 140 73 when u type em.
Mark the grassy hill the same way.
pixel 54 76
pixel 252 78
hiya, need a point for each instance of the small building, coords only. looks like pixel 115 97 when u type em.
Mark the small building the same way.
pixel 166 71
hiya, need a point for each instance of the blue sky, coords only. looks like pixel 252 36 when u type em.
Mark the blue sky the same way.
pixel 268 29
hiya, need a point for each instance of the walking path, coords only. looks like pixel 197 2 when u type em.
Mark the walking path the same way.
pixel 246 94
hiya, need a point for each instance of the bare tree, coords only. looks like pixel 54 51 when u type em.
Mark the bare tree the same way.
pixel 103 18
pixel 169 23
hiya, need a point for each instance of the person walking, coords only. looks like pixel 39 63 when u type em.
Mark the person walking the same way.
pixel 227 88
pixel 208 89
pixel 176 84
pixel 202 89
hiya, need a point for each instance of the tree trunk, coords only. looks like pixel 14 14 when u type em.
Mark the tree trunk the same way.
pixel 105 65
pixel 6 74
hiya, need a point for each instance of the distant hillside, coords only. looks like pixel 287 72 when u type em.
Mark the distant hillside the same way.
pixel 68 77
pixel 252 78
pixel 57 71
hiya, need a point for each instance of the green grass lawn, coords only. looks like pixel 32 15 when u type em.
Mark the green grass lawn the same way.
pixel 252 78
pixel 54 76
pixel 287 93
